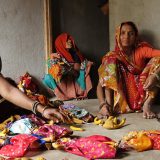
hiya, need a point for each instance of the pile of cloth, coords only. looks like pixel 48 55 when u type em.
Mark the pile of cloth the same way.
pixel 21 134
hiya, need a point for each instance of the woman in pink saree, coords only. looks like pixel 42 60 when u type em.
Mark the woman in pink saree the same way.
pixel 129 75
pixel 68 70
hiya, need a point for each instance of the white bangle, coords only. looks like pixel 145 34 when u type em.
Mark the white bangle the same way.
pixel 157 76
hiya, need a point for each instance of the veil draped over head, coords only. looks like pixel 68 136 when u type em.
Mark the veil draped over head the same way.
pixel 60 45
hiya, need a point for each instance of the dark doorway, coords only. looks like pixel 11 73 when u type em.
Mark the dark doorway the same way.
pixel 86 23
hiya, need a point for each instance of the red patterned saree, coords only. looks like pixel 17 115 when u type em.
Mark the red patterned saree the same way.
pixel 125 77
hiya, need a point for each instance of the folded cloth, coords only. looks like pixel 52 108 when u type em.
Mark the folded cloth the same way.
pixel 19 145
pixel 92 147
pixel 57 131
pixel 22 126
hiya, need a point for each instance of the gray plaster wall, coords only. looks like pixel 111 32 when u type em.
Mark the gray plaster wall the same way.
pixel 145 13
pixel 22 38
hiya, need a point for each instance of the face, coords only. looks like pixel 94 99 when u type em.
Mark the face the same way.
pixel 69 44
pixel 127 36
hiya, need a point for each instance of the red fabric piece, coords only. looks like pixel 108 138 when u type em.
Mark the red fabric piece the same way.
pixel 19 145
pixel 156 140
pixel 60 45
pixel 92 147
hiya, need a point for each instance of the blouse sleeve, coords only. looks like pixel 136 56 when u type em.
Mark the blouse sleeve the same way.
pixel 149 52
pixel 143 53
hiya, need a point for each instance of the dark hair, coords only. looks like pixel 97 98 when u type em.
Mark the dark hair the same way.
pixel 130 24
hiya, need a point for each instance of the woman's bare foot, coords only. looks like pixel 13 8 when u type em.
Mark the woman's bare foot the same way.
pixel 147 113
pixel 104 111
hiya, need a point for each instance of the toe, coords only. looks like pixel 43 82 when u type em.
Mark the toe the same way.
pixel 144 115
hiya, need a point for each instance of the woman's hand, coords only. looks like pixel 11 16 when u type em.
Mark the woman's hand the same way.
pixel 54 55
pixel 53 114
pixel 151 82
pixel 88 68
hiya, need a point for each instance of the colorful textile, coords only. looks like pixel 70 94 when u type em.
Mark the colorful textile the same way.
pixel 27 85
pixel 126 77
pixel 24 126
pixel 57 131
pixel 19 145
pixel 76 111
pixel 92 147
pixel 143 140
pixel 79 113
pixel 62 77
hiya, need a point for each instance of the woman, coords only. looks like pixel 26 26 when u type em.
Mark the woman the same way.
pixel 68 70
pixel 12 94
pixel 129 82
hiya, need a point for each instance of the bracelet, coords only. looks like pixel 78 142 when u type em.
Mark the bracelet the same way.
pixel 157 76
pixel 34 107
pixel 46 107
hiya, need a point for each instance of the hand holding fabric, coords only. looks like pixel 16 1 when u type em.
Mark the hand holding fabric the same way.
pixel 53 114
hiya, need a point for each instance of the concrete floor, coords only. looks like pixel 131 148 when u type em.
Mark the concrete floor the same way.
pixel 134 121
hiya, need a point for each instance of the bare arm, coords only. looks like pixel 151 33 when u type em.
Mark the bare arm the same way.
pixel 18 98
pixel 13 95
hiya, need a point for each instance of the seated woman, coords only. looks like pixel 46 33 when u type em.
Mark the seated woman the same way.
pixel 12 94
pixel 128 76
pixel 68 70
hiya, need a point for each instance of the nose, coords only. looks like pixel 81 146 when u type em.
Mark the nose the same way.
pixel 126 35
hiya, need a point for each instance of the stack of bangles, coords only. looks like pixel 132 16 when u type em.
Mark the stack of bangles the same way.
pixel 34 108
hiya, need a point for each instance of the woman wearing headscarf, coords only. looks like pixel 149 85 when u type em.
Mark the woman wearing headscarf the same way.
pixel 129 75
pixel 68 70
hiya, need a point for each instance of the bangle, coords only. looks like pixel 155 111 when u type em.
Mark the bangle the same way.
pixel 34 107
pixel 157 76
pixel 46 107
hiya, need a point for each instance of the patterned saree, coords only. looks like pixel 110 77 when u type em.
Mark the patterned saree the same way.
pixel 60 78
pixel 125 78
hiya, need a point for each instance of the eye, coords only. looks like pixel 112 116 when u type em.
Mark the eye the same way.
pixel 122 32
pixel 131 33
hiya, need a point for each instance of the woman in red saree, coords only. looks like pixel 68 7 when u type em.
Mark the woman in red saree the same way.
pixel 68 70
pixel 129 80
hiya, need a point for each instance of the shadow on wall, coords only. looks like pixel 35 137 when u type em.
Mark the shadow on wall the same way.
pixel 148 36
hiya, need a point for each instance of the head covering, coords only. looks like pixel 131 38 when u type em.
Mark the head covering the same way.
pixel 60 45
pixel 137 44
